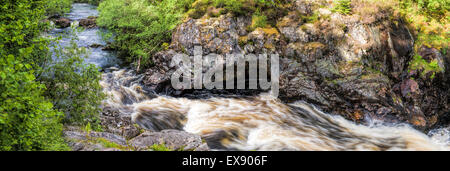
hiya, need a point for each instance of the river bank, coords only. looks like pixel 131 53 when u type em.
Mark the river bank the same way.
pixel 140 108
pixel 119 133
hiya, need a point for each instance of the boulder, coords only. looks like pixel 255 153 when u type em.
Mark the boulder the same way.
pixel 62 22
pixel 173 139
pixel 89 22
pixel 119 123
pixel 94 141
pixel 343 64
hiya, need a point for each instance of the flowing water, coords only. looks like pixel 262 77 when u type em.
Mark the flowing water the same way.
pixel 256 123
pixel 87 37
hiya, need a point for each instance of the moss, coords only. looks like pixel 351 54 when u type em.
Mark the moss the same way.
pixel 258 21
pixel 304 27
pixel 269 46
pixel 269 31
pixel 284 22
pixel 215 12
pixel 199 8
pixel 109 144
pixel 310 18
pixel 418 63
pixel 331 82
pixel 165 45
pixel 243 41
pixel 160 147
pixel 312 46
pixel 343 7
pixel 270 9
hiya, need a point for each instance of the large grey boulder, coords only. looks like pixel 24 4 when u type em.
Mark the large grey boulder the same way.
pixel 173 139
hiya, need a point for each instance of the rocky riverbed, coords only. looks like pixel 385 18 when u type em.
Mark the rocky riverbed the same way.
pixel 355 66
pixel 352 66
pixel 119 132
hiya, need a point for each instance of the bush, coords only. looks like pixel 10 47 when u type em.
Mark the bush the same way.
pixel 418 63
pixel 343 7
pixel 271 8
pixel 141 26
pixel 258 20
pixel 429 18
pixel 73 85
pixel 92 2
pixel 27 120
pixel 58 7
pixel 434 8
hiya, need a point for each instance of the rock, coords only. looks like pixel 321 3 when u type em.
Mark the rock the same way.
pixel 430 54
pixel 95 45
pixel 409 87
pixel 265 40
pixel 94 141
pixel 306 7
pixel 108 47
pixel 203 147
pixel 62 22
pixel 118 123
pixel 340 63
pixel 174 139
pixel 89 22
pixel 217 35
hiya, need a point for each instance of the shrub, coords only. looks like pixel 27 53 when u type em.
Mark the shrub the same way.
pixel 418 63
pixel 92 2
pixel 258 20
pixel 430 20
pixel 160 147
pixel 58 7
pixel 343 7
pixel 73 85
pixel 434 8
pixel 27 119
pixel 271 8
pixel 141 26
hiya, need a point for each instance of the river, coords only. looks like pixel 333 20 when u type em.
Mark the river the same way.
pixel 258 123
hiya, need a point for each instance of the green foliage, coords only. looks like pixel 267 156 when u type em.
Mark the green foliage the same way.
pixel 430 19
pixel 141 26
pixel 58 7
pixel 92 2
pixel 160 147
pixel 418 63
pixel 343 7
pixel 312 18
pixel 258 20
pixel 109 144
pixel 73 85
pixel 27 119
pixel 434 8
pixel 234 6
pixel 270 8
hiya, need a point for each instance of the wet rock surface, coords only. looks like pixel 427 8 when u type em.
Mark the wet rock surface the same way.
pixel 357 68
pixel 117 128
pixel 173 139
pixel 62 22
pixel 89 22
pixel 119 133
pixel 80 140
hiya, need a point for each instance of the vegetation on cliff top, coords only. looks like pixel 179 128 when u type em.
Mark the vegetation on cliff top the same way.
pixel 428 20
pixel 142 26
pixel 145 27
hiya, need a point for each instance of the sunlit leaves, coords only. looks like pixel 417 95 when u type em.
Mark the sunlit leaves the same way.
pixel 27 119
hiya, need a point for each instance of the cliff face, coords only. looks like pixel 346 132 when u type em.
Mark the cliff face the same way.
pixel 352 65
